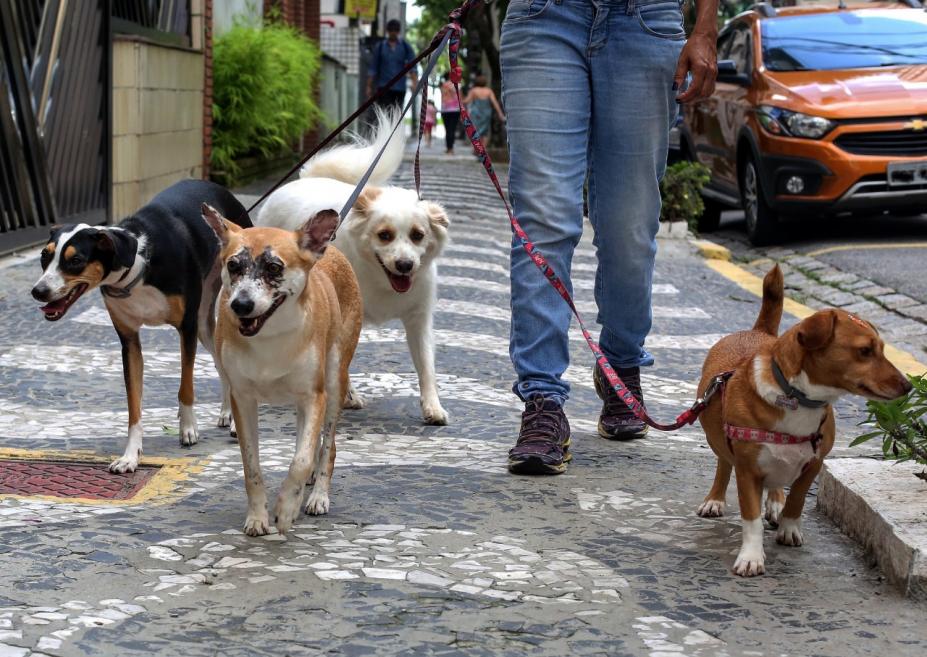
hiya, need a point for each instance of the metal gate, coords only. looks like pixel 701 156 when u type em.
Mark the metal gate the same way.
pixel 55 106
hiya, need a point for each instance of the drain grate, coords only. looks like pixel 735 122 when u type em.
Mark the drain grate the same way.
pixel 70 479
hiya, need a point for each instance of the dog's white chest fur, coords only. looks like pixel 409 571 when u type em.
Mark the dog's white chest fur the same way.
pixel 782 464
pixel 146 305
pixel 273 371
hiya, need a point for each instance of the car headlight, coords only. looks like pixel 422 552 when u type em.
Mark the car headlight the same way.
pixel 779 121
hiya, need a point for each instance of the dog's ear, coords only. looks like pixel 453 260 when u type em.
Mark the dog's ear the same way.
pixel 436 214
pixel 316 233
pixel 817 331
pixel 121 244
pixel 220 225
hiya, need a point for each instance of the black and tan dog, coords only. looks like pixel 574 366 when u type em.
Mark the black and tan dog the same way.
pixel 158 266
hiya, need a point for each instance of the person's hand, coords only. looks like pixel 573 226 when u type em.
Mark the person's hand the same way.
pixel 369 88
pixel 700 58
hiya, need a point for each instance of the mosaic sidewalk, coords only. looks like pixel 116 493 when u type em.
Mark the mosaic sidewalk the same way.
pixel 430 546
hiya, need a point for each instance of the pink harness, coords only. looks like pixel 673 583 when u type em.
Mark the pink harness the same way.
pixel 762 436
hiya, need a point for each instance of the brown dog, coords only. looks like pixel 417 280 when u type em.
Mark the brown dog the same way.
pixel 775 432
pixel 289 321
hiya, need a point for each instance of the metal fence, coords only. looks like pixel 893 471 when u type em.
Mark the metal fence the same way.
pixel 55 82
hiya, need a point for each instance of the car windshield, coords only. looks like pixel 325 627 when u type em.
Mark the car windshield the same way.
pixel 844 39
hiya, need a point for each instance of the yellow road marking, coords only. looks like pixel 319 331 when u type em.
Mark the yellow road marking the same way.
pixel 711 250
pixel 162 488
pixel 904 361
pixel 867 247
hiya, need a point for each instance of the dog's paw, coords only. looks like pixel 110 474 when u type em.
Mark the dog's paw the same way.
pixel 434 414
pixel 317 505
pixel 789 532
pixel 286 510
pixel 711 509
pixel 256 524
pixel 233 432
pixel 188 433
pixel 125 463
pixel 773 511
pixel 354 400
pixel 750 563
pixel 225 418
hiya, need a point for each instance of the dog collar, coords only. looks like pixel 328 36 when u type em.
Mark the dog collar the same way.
pixel 792 397
pixel 747 435
pixel 125 290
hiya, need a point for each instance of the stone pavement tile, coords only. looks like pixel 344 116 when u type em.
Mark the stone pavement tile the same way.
pixel 874 291
pixel 430 546
pixel 918 312
pixel 894 301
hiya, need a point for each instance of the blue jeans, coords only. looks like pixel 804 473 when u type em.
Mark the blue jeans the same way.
pixel 587 87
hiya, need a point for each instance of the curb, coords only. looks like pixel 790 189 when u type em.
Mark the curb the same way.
pixel 880 504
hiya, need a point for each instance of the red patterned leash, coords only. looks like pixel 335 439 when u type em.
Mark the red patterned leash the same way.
pixel 687 417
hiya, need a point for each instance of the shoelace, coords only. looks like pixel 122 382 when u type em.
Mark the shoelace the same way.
pixel 541 425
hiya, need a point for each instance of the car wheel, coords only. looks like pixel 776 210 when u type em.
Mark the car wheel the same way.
pixel 711 217
pixel 762 221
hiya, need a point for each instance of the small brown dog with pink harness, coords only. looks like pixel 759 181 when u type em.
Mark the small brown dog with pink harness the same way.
pixel 773 424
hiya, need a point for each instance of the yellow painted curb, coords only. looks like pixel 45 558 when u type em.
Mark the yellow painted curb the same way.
pixel 867 247
pixel 904 361
pixel 712 251
pixel 162 488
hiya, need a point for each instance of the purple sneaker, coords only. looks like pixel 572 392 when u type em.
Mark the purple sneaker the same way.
pixel 543 445
pixel 617 422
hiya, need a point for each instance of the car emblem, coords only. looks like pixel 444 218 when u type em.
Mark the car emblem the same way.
pixel 917 125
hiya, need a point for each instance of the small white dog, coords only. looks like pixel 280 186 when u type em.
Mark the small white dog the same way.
pixel 391 238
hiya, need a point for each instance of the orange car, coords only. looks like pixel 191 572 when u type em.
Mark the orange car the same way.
pixel 818 110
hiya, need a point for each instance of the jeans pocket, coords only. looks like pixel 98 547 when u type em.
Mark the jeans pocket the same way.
pixel 523 10
pixel 662 19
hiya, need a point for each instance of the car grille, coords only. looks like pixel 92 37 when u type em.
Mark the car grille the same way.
pixel 904 143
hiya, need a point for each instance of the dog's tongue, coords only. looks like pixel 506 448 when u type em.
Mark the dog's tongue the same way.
pixel 55 306
pixel 400 283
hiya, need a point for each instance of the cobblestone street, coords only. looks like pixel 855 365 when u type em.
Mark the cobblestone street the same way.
pixel 430 546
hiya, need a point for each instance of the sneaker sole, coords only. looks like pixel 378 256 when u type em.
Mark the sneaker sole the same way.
pixel 535 466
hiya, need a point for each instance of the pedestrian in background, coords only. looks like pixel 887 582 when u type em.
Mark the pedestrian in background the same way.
pixel 389 57
pixel 590 87
pixel 431 117
pixel 480 103
pixel 450 111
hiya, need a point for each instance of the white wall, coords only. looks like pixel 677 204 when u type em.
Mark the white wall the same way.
pixel 225 11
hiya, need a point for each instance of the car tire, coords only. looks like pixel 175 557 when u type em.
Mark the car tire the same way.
pixel 761 220
pixel 711 217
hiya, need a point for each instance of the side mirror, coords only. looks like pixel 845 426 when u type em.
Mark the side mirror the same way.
pixel 727 72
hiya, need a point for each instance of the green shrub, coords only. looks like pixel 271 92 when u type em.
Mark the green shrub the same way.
pixel 263 82
pixel 680 189
pixel 901 425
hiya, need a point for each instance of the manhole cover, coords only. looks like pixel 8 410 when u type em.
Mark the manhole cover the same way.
pixel 70 479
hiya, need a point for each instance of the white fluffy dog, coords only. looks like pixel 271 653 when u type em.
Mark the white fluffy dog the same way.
pixel 391 238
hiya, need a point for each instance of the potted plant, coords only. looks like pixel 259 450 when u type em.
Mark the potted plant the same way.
pixel 680 190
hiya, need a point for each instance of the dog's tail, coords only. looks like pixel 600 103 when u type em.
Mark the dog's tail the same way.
pixel 349 162
pixel 771 310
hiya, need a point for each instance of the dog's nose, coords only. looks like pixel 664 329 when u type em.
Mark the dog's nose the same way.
pixel 404 266
pixel 40 292
pixel 242 306
pixel 906 386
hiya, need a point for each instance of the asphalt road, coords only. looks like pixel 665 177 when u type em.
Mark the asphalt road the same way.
pixel 886 249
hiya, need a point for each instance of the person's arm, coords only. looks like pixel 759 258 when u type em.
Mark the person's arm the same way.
pixel 495 104
pixel 410 55
pixel 700 55
pixel 468 98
